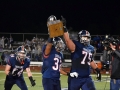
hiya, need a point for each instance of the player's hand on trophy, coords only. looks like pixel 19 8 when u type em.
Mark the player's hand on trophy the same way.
pixel 64 24
pixel 63 21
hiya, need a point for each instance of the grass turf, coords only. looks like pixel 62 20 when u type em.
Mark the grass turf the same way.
pixel 103 85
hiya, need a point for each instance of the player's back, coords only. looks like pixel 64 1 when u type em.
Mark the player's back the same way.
pixel 51 64
pixel 81 58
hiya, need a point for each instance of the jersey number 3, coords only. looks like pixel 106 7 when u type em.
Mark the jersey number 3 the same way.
pixel 86 56
pixel 57 65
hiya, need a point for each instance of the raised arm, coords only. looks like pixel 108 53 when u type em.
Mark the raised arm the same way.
pixel 68 41
pixel 48 47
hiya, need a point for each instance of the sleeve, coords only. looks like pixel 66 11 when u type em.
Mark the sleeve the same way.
pixel 92 53
pixel 117 53
pixel 104 55
pixel 43 50
pixel 62 57
pixel 27 64
pixel 75 42
pixel 9 61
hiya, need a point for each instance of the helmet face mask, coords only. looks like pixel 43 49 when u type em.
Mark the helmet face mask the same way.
pixel 59 44
pixel 21 53
pixel 84 37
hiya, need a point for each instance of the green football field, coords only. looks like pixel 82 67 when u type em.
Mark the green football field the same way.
pixel 103 85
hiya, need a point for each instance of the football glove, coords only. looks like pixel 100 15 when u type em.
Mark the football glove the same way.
pixel 63 21
pixel 98 74
pixel 32 81
pixel 73 74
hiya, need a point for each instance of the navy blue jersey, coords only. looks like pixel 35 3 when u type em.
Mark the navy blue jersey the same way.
pixel 15 64
pixel 51 64
pixel 81 58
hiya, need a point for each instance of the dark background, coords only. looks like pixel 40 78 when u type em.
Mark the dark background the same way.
pixel 30 16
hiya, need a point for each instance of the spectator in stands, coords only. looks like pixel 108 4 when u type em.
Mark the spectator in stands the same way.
pixel 6 55
pixel 29 55
pixel 96 38
pixel 11 41
pixel 2 41
pixel 6 41
pixel 27 42
pixel 28 49
pixel 100 47
pixel 2 58
pixel 1 48
pixel 39 49
pixel 37 57
pixel 34 41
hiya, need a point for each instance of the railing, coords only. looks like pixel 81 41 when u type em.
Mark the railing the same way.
pixel 23 36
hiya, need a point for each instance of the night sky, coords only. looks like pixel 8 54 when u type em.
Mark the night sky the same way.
pixel 30 16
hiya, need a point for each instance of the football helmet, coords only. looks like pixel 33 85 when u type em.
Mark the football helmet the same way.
pixel 21 53
pixel 58 44
pixel 84 37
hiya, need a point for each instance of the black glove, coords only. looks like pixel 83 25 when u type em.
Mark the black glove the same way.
pixel 98 74
pixel 32 81
pixel 64 23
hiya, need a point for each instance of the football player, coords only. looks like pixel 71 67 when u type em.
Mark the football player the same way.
pixel 14 70
pixel 81 56
pixel 52 59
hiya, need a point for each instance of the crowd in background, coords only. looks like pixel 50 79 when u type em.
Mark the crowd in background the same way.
pixel 34 46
